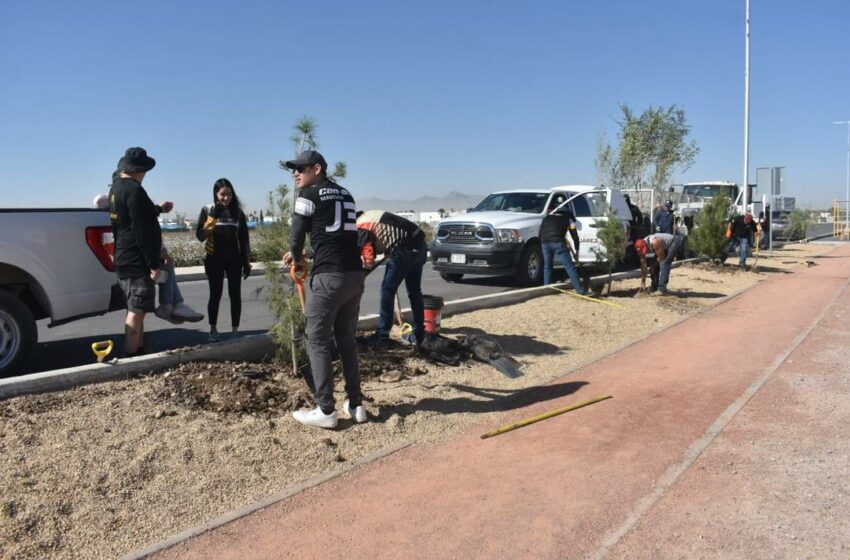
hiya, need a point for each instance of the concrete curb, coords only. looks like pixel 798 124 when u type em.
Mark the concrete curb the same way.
pixel 246 348
pixel 249 348
pixel 264 503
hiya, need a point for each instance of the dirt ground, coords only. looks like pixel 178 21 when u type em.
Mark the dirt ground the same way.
pixel 106 469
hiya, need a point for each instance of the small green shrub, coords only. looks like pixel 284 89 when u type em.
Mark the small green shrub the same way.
pixel 612 235
pixel 798 223
pixel 708 237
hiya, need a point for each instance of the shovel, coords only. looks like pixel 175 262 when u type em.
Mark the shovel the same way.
pixel 299 275
pixel 489 351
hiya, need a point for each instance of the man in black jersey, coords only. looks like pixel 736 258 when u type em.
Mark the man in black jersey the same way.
pixel 326 212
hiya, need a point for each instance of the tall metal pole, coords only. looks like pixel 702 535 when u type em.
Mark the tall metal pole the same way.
pixel 746 184
pixel 847 193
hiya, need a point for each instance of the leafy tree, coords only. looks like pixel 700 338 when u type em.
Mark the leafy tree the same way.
pixel 612 235
pixel 650 148
pixel 708 237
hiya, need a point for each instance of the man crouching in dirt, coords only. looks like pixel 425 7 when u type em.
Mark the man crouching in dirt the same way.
pixel 326 211
pixel 665 247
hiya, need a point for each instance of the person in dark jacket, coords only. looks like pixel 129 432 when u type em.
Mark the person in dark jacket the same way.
pixel 664 218
pixel 743 228
pixel 138 243
pixel 764 223
pixel 327 212
pixel 553 237
pixel 403 245
pixel 636 223
pixel 224 230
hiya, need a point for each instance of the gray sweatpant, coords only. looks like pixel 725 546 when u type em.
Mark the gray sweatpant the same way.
pixel 333 306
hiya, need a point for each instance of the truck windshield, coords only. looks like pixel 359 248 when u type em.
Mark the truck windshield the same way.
pixel 710 191
pixel 526 203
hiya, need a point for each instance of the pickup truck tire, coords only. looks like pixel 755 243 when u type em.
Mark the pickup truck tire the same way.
pixel 18 333
pixel 451 276
pixel 529 271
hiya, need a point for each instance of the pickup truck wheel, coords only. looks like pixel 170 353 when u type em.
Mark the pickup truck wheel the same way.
pixel 529 271
pixel 18 333
pixel 451 276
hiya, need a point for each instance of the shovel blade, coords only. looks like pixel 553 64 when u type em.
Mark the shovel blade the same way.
pixel 507 367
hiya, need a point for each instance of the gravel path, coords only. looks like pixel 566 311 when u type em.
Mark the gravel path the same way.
pixel 103 470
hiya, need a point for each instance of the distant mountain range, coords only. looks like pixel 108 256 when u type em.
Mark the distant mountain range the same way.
pixel 456 200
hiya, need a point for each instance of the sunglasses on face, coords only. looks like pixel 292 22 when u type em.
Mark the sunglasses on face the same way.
pixel 301 168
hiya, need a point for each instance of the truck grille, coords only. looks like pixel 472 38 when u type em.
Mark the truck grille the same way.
pixel 465 233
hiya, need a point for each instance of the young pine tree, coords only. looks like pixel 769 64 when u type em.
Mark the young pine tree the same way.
pixel 708 237
pixel 612 235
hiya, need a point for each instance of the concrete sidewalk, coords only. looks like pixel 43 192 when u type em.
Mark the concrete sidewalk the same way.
pixel 697 455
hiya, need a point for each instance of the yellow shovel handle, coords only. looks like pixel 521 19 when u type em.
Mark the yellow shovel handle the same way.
pixel 102 349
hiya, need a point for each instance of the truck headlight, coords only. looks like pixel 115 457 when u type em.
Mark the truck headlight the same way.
pixel 508 236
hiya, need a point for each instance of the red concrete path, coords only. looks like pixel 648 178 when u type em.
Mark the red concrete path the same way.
pixel 570 487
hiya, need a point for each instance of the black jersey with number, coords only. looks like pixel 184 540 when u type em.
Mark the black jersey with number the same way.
pixel 326 211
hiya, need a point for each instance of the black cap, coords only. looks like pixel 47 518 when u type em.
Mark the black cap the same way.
pixel 627 197
pixel 136 160
pixel 668 203
pixel 309 158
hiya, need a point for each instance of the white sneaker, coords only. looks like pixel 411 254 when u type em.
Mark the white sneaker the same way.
pixel 166 313
pixel 316 418
pixel 185 313
pixel 359 413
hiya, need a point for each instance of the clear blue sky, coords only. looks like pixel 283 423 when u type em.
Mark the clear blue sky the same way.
pixel 417 98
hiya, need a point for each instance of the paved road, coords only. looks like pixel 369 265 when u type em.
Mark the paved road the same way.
pixel 70 345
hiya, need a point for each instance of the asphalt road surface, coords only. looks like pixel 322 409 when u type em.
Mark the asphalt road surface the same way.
pixel 70 344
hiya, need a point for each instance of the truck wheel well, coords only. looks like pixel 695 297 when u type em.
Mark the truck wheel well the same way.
pixel 23 286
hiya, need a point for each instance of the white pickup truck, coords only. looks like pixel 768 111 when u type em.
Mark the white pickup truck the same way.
pixel 55 264
pixel 500 235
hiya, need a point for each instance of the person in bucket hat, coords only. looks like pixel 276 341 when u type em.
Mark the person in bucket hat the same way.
pixel 138 242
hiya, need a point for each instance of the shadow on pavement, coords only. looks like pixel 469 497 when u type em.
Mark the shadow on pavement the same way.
pixel 684 295
pixel 770 269
pixel 498 400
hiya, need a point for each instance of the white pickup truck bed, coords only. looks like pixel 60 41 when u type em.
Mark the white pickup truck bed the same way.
pixel 54 264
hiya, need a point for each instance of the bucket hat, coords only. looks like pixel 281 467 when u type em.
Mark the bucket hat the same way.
pixel 136 160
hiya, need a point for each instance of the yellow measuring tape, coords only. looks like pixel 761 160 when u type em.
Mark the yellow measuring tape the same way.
pixel 540 417
pixel 586 297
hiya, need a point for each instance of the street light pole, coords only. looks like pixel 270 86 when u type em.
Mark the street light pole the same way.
pixel 746 184
pixel 847 192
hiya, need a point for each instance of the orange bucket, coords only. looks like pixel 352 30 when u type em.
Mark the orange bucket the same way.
pixel 433 312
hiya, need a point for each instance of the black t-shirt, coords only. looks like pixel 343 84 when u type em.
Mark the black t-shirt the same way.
pixel 138 239
pixel 327 212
